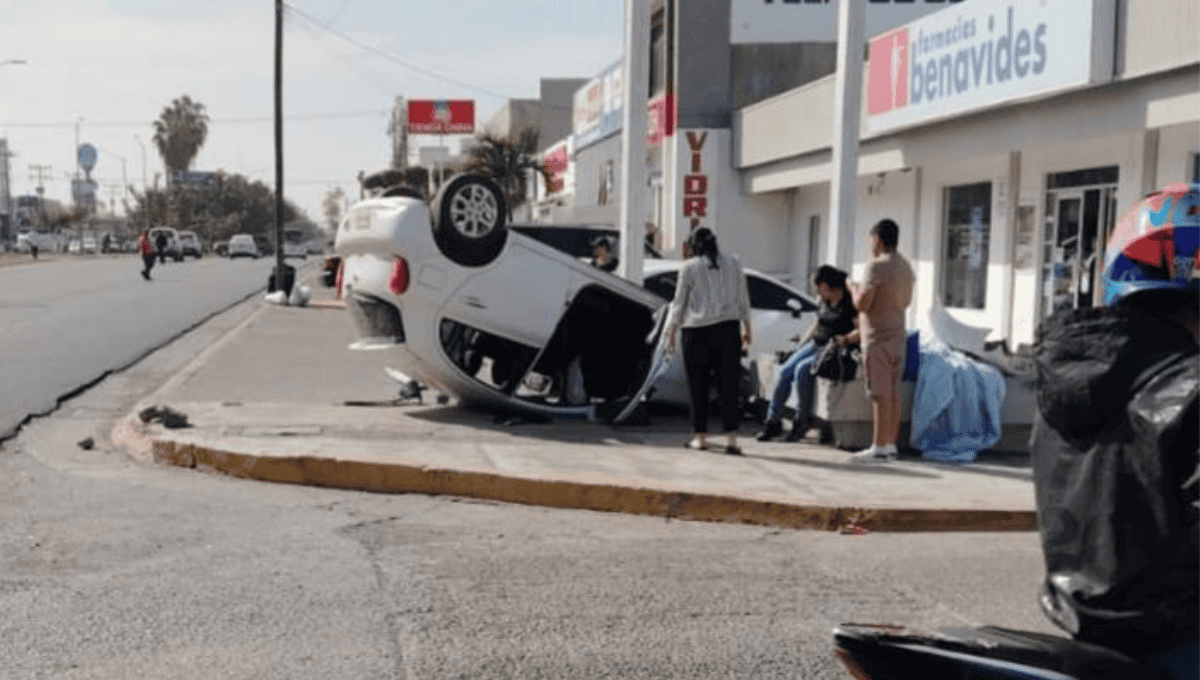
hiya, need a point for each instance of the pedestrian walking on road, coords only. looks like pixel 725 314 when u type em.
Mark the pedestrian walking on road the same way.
pixel 881 302
pixel 146 248
pixel 711 305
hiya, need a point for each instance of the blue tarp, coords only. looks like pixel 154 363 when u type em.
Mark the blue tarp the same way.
pixel 956 404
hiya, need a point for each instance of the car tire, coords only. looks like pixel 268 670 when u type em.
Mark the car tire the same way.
pixel 470 214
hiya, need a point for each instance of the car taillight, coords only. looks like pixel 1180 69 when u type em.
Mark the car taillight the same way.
pixel 399 281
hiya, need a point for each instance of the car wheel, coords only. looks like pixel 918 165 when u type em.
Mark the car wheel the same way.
pixel 470 227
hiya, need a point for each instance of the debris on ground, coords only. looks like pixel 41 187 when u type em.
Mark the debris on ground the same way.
pixel 169 417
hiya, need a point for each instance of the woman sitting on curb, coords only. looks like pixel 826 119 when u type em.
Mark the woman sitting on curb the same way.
pixel 837 321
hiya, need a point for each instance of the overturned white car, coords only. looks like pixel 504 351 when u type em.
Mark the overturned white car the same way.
pixel 461 302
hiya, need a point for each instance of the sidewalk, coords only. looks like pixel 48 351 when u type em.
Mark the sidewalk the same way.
pixel 268 402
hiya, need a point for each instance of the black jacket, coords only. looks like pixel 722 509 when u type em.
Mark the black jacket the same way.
pixel 1115 459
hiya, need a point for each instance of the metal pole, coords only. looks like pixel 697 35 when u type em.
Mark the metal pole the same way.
pixel 634 173
pixel 278 144
pixel 847 105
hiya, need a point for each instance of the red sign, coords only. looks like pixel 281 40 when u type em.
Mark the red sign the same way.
pixel 441 116
pixel 695 183
pixel 660 119
pixel 887 72
pixel 557 161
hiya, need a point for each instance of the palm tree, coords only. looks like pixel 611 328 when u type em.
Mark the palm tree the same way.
pixel 179 133
pixel 506 160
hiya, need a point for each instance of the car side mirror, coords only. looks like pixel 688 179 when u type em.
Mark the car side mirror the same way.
pixel 794 305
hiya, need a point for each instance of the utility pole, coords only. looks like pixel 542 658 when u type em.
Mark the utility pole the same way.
pixel 279 278
pixel 42 171
pixel 847 102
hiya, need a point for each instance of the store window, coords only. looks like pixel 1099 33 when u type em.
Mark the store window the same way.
pixel 968 219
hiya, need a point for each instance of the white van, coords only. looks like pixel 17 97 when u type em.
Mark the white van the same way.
pixel 172 250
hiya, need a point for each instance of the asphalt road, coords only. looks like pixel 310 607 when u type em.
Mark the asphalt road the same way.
pixel 111 568
pixel 65 322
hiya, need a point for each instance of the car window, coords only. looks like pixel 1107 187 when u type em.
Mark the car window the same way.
pixel 763 293
pixel 767 295
pixel 662 285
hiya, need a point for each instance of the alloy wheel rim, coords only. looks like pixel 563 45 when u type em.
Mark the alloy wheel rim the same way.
pixel 473 210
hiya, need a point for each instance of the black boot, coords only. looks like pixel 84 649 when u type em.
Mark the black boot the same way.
pixel 773 429
pixel 799 429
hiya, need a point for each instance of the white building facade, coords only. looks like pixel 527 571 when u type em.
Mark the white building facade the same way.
pixel 1006 137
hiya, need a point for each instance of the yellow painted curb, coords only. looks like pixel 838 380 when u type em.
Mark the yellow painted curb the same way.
pixel 400 478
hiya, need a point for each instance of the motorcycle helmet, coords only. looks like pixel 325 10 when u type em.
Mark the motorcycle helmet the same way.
pixel 1156 246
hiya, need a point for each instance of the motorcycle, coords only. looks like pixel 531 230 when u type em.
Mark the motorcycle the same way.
pixel 882 652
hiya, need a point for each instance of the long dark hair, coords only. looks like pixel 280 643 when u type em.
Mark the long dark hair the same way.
pixel 704 244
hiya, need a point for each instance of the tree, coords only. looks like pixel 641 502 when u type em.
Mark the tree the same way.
pixel 179 133
pixel 332 204
pixel 507 160
pixel 230 204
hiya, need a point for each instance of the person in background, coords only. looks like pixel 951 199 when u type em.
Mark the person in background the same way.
pixel 146 248
pixel 1116 446
pixel 712 306
pixel 836 318
pixel 881 302
pixel 160 244
pixel 603 257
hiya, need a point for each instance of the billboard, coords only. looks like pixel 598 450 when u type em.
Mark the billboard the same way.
pixel 557 160
pixel 977 55
pixel 768 21
pixel 441 116
pixel 598 107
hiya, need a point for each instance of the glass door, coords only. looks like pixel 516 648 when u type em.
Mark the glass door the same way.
pixel 1078 224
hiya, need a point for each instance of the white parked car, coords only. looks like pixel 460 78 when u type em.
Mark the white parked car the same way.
pixel 458 301
pixel 74 247
pixel 242 245
pixel 88 245
pixel 189 244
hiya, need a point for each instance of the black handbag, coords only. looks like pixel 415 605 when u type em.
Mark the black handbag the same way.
pixel 837 362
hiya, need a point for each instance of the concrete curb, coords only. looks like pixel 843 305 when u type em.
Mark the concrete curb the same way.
pixel 380 477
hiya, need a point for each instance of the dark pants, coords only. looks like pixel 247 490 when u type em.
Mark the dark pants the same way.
pixel 148 264
pixel 707 349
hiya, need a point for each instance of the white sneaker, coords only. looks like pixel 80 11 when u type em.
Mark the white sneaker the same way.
pixel 871 455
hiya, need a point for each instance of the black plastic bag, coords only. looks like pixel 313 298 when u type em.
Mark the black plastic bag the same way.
pixel 837 362
pixel 1116 448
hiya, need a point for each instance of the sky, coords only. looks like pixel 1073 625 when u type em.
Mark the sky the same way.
pixel 101 71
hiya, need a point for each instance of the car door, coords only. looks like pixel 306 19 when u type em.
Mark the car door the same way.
pixel 779 314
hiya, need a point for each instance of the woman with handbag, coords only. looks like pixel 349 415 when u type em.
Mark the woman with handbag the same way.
pixel 837 321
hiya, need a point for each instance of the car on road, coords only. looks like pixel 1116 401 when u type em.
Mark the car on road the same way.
pixel 189 244
pixel 221 248
pixel 88 245
pixel 74 247
pixel 264 245
pixel 457 300
pixel 242 245
pixel 172 250
pixel 294 244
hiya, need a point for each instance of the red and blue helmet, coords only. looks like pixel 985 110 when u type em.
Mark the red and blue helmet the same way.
pixel 1156 246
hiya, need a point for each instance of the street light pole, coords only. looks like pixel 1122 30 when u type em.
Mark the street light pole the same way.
pixel 145 187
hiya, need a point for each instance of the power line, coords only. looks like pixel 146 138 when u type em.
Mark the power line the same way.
pixel 392 58
pixel 409 65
